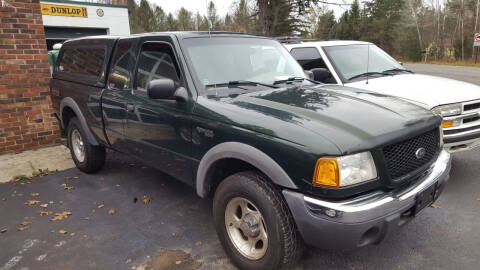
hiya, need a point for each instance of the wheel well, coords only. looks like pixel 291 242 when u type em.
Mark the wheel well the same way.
pixel 67 114
pixel 223 168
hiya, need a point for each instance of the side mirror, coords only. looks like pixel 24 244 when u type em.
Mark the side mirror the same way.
pixel 400 63
pixel 320 74
pixel 166 89
pixel 309 74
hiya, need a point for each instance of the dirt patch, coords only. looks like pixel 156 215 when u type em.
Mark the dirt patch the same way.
pixel 173 260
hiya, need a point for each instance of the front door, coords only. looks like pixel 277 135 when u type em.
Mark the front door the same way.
pixel 119 85
pixel 159 130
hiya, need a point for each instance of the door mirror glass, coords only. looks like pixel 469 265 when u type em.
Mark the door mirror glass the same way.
pixel 320 74
pixel 161 89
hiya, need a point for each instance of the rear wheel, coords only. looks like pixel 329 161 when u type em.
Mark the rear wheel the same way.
pixel 88 158
pixel 254 224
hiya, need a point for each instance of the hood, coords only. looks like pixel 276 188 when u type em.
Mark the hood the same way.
pixel 348 118
pixel 424 90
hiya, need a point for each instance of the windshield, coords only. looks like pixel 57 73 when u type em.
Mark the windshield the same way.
pixel 220 60
pixel 351 60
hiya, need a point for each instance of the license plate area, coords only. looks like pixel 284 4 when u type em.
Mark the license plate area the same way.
pixel 424 199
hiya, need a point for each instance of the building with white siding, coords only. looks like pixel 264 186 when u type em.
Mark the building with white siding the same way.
pixel 66 19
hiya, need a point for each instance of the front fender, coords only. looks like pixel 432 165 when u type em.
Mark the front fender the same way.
pixel 243 152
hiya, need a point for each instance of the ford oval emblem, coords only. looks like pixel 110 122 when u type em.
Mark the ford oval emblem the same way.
pixel 420 153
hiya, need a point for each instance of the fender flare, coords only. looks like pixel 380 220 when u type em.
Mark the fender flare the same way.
pixel 70 103
pixel 243 152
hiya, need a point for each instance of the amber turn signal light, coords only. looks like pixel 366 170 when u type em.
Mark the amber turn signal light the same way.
pixel 326 173
pixel 447 124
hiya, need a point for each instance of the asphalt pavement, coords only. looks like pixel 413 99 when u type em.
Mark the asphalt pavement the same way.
pixel 467 74
pixel 132 216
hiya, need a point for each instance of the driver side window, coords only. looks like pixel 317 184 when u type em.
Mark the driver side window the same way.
pixel 309 58
pixel 156 61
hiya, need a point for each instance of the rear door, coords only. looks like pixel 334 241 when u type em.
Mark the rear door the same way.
pixel 159 131
pixel 118 88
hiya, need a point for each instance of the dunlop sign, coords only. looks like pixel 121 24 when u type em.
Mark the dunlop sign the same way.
pixel 60 10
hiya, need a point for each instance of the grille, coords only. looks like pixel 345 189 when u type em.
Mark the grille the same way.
pixel 470 107
pixel 401 157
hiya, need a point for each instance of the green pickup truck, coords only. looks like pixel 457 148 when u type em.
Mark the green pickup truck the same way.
pixel 287 160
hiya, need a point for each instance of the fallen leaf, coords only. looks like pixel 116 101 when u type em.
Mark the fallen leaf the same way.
pixel 60 216
pixel 117 185
pixel 68 187
pixel 25 223
pixel 176 235
pixel 3 230
pixel 45 213
pixel 178 262
pixel 146 199
pixel 35 194
pixel 23 228
pixel 63 185
pixel 72 234
pixel 434 206
pixel 199 243
pixel 45 205
pixel 111 211
pixel 62 232
pixel 128 261
pixel 31 202
pixel 19 195
pixel 67 178
pixel 101 206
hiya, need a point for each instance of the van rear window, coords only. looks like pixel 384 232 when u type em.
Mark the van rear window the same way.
pixel 83 61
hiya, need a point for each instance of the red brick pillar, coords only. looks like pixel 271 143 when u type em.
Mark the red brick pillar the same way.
pixel 26 119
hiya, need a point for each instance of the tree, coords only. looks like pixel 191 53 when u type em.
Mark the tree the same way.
pixel 277 17
pixel 185 20
pixel 171 23
pixel 213 17
pixel 326 25
pixel 242 17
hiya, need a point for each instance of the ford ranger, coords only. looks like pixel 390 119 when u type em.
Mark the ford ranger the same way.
pixel 288 161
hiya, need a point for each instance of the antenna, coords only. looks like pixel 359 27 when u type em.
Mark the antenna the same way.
pixel 368 59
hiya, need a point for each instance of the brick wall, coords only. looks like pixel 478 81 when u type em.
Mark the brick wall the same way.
pixel 26 119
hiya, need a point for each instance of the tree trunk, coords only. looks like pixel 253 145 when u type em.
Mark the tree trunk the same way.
pixel 416 24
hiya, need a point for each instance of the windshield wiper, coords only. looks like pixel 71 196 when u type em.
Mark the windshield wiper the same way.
pixel 240 83
pixel 367 74
pixel 292 79
pixel 397 70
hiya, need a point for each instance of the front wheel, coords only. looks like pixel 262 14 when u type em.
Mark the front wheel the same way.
pixel 88 158
pixel 254 224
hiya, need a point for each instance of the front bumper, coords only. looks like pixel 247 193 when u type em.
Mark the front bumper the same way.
pixel 363 220
pixel 461 141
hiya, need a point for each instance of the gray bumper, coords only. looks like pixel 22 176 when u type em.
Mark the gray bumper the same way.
pixel 363 220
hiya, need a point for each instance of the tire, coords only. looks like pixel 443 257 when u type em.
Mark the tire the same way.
pixel 93 157
pixel 284 245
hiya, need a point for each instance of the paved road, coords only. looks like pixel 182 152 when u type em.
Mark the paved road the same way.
pixel 468 74
pixel 170 228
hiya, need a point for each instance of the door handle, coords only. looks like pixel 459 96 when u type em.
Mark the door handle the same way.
pixel 130 108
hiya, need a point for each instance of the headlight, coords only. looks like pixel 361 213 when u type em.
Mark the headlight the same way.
pixel 344 171
pixel 448 110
